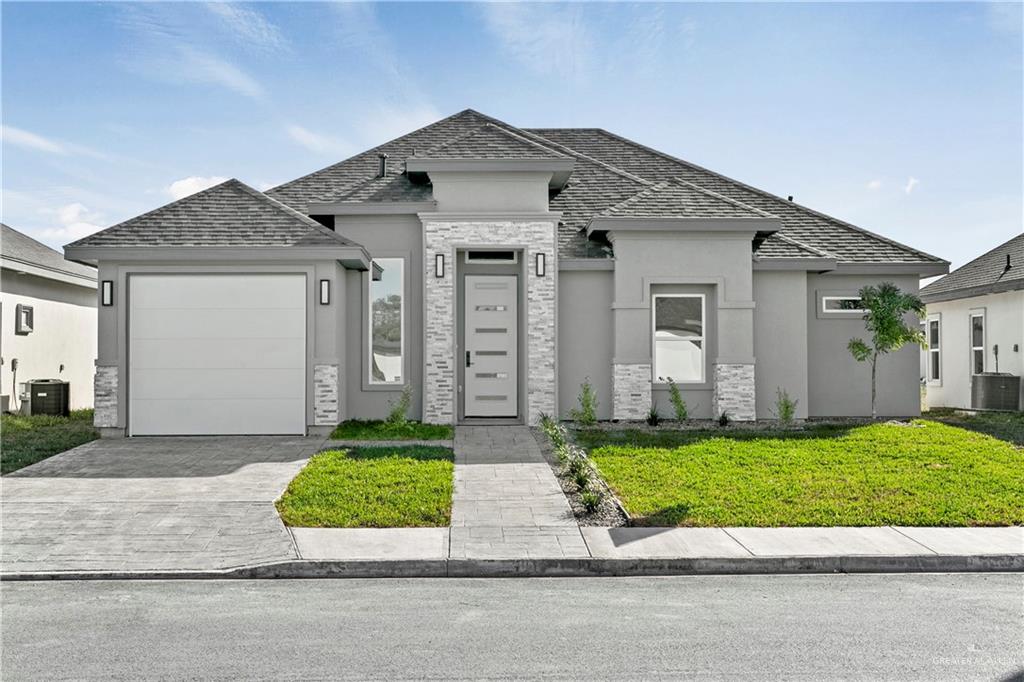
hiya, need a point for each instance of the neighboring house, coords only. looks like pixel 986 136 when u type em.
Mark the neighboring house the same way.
pixel 513 264
pixel 975 325
pixel 48 319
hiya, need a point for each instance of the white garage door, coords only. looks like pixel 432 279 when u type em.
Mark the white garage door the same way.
pixel 217 354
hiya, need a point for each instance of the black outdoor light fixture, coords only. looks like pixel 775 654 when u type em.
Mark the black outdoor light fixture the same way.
pixel 541 265
pixel 325 292
pixel 439 265
pixel 107 292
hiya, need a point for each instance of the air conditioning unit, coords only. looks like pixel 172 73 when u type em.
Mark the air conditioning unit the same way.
pixel 995 391
pixel 46 396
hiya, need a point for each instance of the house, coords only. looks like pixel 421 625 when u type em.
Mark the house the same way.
pixel 493 269
pixel 47 318
pixel 975 325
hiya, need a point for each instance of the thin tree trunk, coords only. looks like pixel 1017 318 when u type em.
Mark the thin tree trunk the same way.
pixel 874 363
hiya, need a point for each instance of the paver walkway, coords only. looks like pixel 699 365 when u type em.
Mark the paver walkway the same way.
pixel 507 503
pixel 152 504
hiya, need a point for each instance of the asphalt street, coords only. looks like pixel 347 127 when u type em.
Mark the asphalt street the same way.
pixel 884 627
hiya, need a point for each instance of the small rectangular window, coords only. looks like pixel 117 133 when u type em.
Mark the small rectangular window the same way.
pixel 977 343
pixel 934 350
pixel 841 304
pixel 679 338
pixel 492 256
pixel 387 322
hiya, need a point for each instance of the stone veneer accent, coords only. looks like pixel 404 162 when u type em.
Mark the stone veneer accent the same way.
pixel 439 310
pixel 733 391
pixel 105 398
pixel 325 395
pixel 631 390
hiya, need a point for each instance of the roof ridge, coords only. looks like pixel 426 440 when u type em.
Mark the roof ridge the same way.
pixel 722 197
pixel 633 198
pixel 154 210
pixel 806 247
pixel 762 192
pixel 500 129
pixel 382 144
pixel 291 212
pixel 591 159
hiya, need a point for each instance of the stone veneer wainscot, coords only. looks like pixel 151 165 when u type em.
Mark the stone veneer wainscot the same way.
pixel 446 236
pixel 631 390
pixel 733 391
pixel 105 397
pixel 325 395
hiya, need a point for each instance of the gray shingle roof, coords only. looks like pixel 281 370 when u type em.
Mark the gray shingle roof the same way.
pixel 779 245
pixel 983 275
pixel 228 214
pixel 19 247
pixel 491 142
pixel 680 199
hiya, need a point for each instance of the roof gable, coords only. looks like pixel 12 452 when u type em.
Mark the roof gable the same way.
pixel 20 248
pixel 230 214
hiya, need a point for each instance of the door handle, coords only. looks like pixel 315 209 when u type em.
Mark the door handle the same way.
pixel 468 363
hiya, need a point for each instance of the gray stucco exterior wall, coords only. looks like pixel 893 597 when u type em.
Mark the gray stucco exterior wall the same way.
pixel 780 339
pixel 838 385
pixel 585 337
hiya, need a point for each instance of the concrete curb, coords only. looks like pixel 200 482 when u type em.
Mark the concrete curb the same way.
pixel 529 568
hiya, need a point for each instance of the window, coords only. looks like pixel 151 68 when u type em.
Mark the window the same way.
pixel 934 350
pixel 492 256
pixel 679 338
pixel 24 319
pixel 841 304
pixel 977 343
pixel 387 322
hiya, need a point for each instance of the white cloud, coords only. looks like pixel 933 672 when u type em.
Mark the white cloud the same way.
pixel 203 68
pixel 23 138
pixel 76 221
pixel 190 185
pixel 874 184
pixel 912 182
pixel 316 142
pixel 386 123
pixel 248 26
pixel 547 38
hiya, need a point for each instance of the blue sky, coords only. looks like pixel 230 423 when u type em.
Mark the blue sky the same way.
pixel 905 119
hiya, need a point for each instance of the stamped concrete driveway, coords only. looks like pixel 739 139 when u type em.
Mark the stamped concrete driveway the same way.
pixel 152 503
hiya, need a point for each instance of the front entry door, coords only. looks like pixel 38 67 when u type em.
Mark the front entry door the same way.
pixel 492 382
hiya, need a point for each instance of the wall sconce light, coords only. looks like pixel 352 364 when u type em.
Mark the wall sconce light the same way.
pixel 439 265
pixel 325 292
pixel 541 265
pixel 107 292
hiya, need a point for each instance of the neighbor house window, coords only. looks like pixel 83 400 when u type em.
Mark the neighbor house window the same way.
pixel 679 338
pixel 934 349
pixel 841 304
pixel 387 322
pixel 977 343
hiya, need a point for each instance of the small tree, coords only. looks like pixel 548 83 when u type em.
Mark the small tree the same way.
pixel 586 415
pixel 886 307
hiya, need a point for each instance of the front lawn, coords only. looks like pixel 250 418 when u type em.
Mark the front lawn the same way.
pixel 27 440
pixel 372 487
pixel 381 430
pixel 922 474
pixel 1008 426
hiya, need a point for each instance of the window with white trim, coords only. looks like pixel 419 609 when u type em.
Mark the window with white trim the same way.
pixel 842 304
pixel 934 349
pixel 977 342
pixel 387 322
pixel 679 340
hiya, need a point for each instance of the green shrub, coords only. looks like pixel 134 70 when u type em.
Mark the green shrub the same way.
pixel 586 414
pixel 653 418
pixel 582 478
pixel 591 500
pixel 724 419
pixel 574 464
pixel 400 407
pixel 678 404
pixel 785 407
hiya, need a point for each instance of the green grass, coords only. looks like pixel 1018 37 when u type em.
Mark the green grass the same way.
pixel 27 440
pixel 381 430
pixel 1008 426
pixel 372 487
pixel 928 474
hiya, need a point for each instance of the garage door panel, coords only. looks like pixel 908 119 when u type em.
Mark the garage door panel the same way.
pixel 195 292
pixel 152 384
pixel 189 417
pixel 212 354
pixel 217 354
pixel 207 323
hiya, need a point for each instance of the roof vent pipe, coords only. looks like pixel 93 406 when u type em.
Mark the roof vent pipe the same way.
pixel 382 167
pixel 790 197
pixel 1008 266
